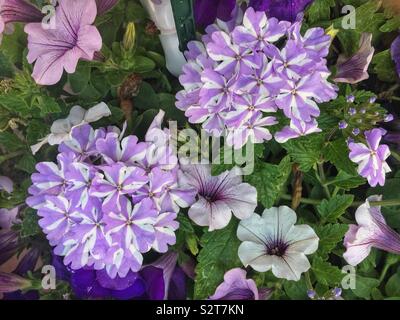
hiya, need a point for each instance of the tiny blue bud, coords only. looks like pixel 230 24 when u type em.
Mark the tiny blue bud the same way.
pixel 372 100
pixel 352 111
pixel 337 292
pixel 389 117
pixel 311 294
pixel 350 98
pixel 356 131
pixel 363 111
pixel 343 125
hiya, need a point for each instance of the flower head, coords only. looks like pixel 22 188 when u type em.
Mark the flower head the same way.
pixel 282 9
pixel 206 11
pixel 248 68
pixel 73 38
pixel 272 241
pixel 371 157
pixel 237 287
pixel 371 231
pixel 218 196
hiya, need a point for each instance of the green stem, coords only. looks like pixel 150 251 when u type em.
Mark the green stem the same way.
pixel 322 179
pixel 315 202
pixel 395 155
pixel 308 281
pixel 395 98
pixel 9 156
pixel 384 271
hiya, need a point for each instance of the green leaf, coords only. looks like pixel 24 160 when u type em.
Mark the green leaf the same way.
pixel 29 225
pixel 26 163
pixel 80 78
pixel 219 254
pixel 6 67
pixel 364 286
pixel 13 45
pixel 335 153
pixel 306 151
pixel 15 104
pixel 392 287
pixel 269 180
pixel 346 181
pixel 391 25
pixel 47 105
pixel 384 66
pixel 142 64
pixel 329 236
pixel 10 141
pixel 296 290
pixel 320 10
pixel 330 210
pixel 146 98
pixel 325 273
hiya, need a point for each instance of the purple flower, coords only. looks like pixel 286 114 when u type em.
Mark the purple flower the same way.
pixel 371 157
pixel 10 282
pixel 296 129
pixel 371 231
pixel 9 217
pixel 254 130
pixel 206 11
pixel 355 69
pixel 133 228
pixel 79 176
pixel 128 150
pixel 8 245
pixel 57 217
pixel 105 5
pixel 281 9
pixel 237 287
pixel 18 11
pixel 395 51
pixel 85 244
pixel 258 31
pixel 232 57
pixel 116 181
pixel 57 49
pixel 6 184
pixel 219 196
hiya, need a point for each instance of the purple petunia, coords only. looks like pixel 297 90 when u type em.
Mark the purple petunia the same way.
pixel 110 199
pixel 218 196
pixel 73 38
pixel 282 9
pixel 247 69
pixel 371 157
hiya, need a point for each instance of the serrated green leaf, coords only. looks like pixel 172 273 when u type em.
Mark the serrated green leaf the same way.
pixel 326 273
pixel 29 225
pixel 330 210
pixel 346 181
pixel 364 286
pixel 306 151
pixel 269 180
pixel 6 67
pixel 218 255
pixel 15 104
pixel 320 10
pixel 142 64
pixel 296 290
pixel 384 66
pixel 10 141
pixel 26 163
pixel 47 105
pixel 336 153
pixel 329 236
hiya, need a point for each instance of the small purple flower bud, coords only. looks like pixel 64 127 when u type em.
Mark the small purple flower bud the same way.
pixel 372 100
pixel 356 131
pixel 350 98
pixel 389 117
pixel 10 282
pixel 311 294
pixel 352 111
pixel 343 125
pixel 350 140
pixel 337 292
pixel 363 111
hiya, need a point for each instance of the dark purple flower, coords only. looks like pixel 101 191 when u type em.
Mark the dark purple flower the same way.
pixel 8 245
pixel 355 69
pixel 395 51
pixel 28 262
pixel 10 282
pixel 105 5
pixel 206 11
pixel 281 9
pixel 237 287
pixel 18 11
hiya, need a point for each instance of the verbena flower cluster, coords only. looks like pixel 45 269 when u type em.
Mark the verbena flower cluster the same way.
pixel 108 200
pixel 247 69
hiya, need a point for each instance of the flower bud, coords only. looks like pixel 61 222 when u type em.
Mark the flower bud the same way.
pixel 129 37
pixel 10 282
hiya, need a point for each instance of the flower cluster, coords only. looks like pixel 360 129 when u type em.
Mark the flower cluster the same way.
pixel 240 75
pixel 108 199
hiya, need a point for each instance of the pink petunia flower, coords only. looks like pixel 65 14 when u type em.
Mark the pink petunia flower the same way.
pixel 73 38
